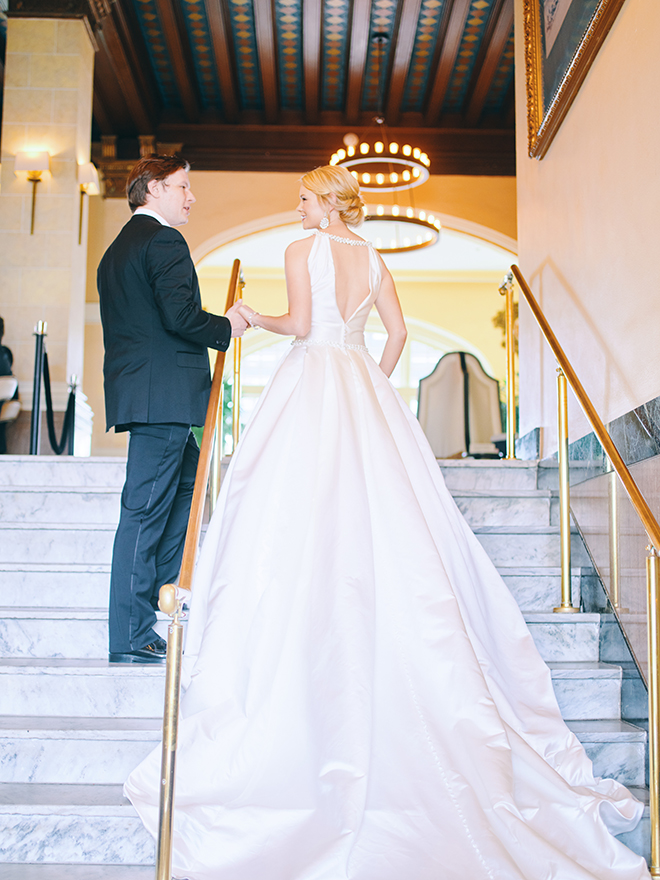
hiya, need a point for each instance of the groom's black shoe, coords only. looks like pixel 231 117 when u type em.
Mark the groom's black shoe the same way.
pixel 154 653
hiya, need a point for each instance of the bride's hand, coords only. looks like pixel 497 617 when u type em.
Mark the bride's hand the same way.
pixel 249 314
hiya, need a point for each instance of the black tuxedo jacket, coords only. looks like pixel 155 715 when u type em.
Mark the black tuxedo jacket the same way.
pixel 156 334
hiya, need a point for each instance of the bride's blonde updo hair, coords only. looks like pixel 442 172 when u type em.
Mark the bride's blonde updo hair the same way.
pixel 329 179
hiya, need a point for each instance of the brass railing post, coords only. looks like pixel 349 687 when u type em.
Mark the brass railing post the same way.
pixel 506 290
pixel 169 604
pixel 653 590
pixel 613 510
pixel 564 495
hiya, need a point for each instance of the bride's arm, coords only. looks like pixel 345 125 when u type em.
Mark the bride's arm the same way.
pixel 389 309
pixel 298 320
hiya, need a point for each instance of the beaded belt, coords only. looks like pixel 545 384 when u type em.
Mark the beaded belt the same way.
pixel 329 342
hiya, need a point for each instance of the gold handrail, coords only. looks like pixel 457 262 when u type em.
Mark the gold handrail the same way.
pixel 169 604
pixel 638 501
pixel 652 529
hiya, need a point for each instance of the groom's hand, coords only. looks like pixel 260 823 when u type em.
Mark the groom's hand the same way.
pixel 238 322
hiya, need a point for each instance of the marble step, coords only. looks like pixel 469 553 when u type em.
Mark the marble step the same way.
pixel 616 748
pixel 71 585
pixel 639 840
pixel 539 589
pixel 99 751
pixel 67 585
pixel 71 824
pixel 565 637
pixel 62 543
pixel 103 751
pixel 75 872
pixel 527 546
pixel 504 507
pixel 82 633
pixel 95 688
pixel 70 504
pixel 46 470
pixel 74 633
pixel 63 504
pixel 587 690
pixel 485 474
pixel 76 825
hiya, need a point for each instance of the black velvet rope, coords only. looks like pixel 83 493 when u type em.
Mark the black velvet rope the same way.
pixel 69 416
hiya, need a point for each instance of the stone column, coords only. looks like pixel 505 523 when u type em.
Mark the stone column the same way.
pixel 47 106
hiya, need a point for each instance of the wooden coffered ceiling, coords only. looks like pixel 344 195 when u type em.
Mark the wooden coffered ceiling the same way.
pixel 275 84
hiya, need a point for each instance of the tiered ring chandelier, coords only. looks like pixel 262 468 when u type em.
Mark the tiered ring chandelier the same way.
pixel 383 166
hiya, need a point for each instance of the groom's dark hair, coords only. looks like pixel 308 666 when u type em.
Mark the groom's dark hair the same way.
pixel 150 168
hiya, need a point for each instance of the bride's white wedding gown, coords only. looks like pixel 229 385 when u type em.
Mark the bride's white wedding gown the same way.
pixel 364 700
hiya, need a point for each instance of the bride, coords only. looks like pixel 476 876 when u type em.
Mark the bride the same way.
pixel 364 700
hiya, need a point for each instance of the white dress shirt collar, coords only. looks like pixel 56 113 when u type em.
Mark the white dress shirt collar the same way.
pixel 150 213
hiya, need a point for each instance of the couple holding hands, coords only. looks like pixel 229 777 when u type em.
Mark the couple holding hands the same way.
pixel 363 700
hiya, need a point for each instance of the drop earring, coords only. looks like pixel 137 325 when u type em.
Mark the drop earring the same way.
pixel 324 222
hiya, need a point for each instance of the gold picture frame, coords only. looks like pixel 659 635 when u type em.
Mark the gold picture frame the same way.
pixel 553 82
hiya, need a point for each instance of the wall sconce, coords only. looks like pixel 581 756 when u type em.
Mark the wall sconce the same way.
pixel 35 164
pixel 88 178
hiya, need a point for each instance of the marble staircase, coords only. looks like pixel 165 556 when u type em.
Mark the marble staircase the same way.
pixel 72 727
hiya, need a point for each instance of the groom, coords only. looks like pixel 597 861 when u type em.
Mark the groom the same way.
pixel 157 382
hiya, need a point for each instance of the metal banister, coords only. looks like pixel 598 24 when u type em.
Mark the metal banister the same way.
pixel 638 501
pixel 170 604
pixel 652 529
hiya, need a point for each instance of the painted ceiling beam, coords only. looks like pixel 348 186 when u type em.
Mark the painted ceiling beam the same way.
pixel 458 13
pixel 312 28
pixel 223 64
pixel 179 52
pixel 495 44
pixel 403 48
pixel 298 148
pixel 265 34
pixel 357 58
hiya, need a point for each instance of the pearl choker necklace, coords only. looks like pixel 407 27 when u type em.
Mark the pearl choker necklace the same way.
pixel 354 241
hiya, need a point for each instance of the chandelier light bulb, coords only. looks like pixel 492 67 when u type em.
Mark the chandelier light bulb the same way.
pixel 417 153
pixel 406 175
pixel 407 149
pixel 410 212
pixel 380 210
pixel 366 177
pixel 416 172
pixel 395 210
pixel 350 150
pixel 364 148
pixel 379 146
pixel 422 215
pixel 341 154
pixel 394 177
pixel 394 148
pixel 355 174
pixel 380 178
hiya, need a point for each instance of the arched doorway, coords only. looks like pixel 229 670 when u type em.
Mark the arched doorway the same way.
pixel 449 295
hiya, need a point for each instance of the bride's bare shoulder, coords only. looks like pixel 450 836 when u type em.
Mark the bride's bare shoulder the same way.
pixel 299 250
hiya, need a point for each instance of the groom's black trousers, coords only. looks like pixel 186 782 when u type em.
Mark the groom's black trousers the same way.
pixel 155 504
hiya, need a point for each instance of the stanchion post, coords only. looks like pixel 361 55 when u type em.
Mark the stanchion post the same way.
pixel 35 421
pixel 506 290
pixel 653 592
pixel 73 384
pixel 169 604
pixel 566 606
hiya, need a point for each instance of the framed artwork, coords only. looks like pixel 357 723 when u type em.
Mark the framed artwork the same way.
pixel 562 38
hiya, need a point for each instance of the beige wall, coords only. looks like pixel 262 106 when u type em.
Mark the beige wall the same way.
pixel 588 226
pixel 226 200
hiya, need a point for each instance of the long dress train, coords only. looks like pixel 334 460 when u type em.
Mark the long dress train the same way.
pixel 364 700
